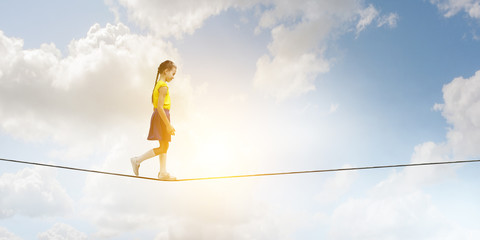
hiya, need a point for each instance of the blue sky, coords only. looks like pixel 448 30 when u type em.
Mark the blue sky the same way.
pixel 261 86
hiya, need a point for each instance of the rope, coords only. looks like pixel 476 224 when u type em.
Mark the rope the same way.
pixel 76 169
pixel 247 175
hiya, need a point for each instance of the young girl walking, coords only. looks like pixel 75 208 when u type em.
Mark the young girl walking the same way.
pixel 160 127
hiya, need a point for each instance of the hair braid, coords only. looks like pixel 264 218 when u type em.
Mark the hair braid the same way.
pixel 166 65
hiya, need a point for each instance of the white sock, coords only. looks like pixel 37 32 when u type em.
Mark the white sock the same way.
pixel 149 154
pixel 163 163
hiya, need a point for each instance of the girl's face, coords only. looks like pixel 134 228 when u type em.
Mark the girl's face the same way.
pixel 170 74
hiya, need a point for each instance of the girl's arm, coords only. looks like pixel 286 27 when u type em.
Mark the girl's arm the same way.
pixel 161 99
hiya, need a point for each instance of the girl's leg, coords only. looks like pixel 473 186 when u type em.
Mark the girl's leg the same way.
pixel 137 160
pixel 163 174
pixel 163 163
pixel 147 155
pixel 163 156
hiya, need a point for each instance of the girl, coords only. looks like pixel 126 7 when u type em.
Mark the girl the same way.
pixel 160 127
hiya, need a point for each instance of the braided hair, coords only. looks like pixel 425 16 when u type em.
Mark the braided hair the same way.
pixel 166 65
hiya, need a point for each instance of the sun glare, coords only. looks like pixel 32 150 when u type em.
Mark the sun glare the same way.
pixel 215 154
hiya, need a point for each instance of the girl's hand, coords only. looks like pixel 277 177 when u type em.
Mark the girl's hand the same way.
pixel 170 129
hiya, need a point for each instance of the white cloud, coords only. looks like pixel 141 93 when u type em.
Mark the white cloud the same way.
pixel 462 110
pixel 399 207
pixel 282 11
pixel 371 14
pixel 7 235
pixel 34 193
pixel 336 186
pixel 299 31
pixel 333 107
pixel 61 231
pixel 275 223
pixel 117 205
pixel 413 178
pixel 97 98
pixel 366 17
pixel 90 100
pixel 300 34
pixel 283 78
pixel 389 20
pixel 96 93
pixel 99 91
pixel 227 209
pixel 174 18
pixel 408 216
pixel 474 11
pixel 452 7
pixel 181 211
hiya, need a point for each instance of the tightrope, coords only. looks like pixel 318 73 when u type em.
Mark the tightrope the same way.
pixel 246 175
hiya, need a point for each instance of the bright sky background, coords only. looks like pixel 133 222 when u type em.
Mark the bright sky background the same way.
pixel 261 86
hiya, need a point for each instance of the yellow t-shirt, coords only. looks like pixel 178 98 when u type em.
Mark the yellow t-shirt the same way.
pixel 166 102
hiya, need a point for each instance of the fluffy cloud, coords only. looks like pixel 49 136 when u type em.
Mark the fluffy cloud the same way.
pixel 370 14
pixel 96 98
pixel 283 78
pixel 389 20
pixel 96 95
pixel 292 66
pixel 82 99
pixel 167 18
pixel 462 110
pixel 408 216
pixel 452 7
pixel 336 186
pixel 367 16
pixel 203 210
pixel 87 101
pixel 61 231
pixel 414 178
pixel 299 32
pixel 295 56
pixel 399 202
pixel 7 235
pixel 18 191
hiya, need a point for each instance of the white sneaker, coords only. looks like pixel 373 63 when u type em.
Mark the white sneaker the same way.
pixel 135 165
pixel 166 177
